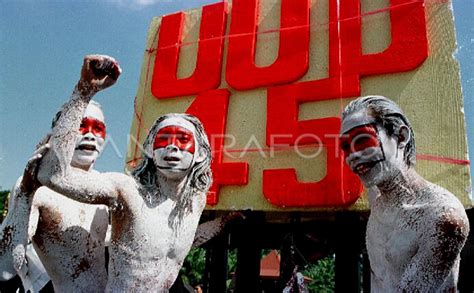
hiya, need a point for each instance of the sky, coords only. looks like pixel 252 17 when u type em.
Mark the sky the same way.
pixel 42 44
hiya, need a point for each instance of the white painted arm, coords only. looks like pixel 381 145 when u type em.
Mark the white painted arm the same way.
pixel 14 232
pixel 98 72
pixel 437 254
pixel 210 229
pixel 14 229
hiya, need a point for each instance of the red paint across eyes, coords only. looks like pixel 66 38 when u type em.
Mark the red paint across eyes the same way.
pixel 92 125
pixel 178 136
pixel 358 139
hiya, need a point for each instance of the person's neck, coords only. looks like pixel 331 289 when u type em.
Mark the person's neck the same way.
pixel 170 188
pixel 86 168
pixel 401 185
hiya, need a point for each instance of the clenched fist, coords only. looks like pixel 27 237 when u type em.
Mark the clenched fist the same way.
pixel 98 72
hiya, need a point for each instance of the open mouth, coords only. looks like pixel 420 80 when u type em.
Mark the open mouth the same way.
pixel 86 147
pixel 171 159
pixel 364 168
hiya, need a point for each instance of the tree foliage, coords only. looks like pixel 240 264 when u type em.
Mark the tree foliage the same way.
pixel 3 202
pixel 322 275
pixel 194 266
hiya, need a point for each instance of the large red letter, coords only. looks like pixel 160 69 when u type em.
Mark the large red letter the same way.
pixel 292 61
pixel 281 187
pixel 211 108
pixel 207 74
pixel 407 50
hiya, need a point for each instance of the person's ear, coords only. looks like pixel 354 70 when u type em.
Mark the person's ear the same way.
pixel 200 156
pixel 404 136
pixel 148 152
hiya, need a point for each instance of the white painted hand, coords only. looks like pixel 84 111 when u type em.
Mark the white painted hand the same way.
pixel 30 182
pixel 98 72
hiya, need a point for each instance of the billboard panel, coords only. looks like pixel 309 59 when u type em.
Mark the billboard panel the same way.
pixel 270 78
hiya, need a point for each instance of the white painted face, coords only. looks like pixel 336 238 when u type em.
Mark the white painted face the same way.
pixel 90 139
pixel 175 147
pixel 369 151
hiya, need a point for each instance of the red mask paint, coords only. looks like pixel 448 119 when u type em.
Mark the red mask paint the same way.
pixel 358 139
pixel 176 135
pixel 95 126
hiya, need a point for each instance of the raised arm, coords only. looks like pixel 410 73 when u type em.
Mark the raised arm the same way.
pixel 14 229
pixel 98 72
pixel 436 257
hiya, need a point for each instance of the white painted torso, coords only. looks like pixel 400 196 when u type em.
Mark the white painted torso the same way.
pixel 391 243
pixel 145 253
pixel 69 240
pixel 395 233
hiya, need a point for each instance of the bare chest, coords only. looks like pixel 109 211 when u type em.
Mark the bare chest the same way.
pixel 392 241
pixel 148 248
pixel 65 222
pixel 391 245
pixel 69 240
pixel 156 231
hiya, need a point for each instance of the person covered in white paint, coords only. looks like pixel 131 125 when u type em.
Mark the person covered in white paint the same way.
pixel 14 245
pixel 156 210
pixel 416 229
pixel 67 235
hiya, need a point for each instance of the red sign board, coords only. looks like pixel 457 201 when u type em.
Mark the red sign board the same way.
pixel 226 65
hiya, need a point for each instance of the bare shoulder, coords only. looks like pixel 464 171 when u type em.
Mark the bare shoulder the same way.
pixel 451 218
pixel 443 198
pixel 43 196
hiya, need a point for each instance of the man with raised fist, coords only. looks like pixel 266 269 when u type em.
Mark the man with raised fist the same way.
pixel 156 210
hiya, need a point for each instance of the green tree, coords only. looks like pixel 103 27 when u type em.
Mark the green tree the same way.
pixel 194 266
pixel 322 275
pixel 3 202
